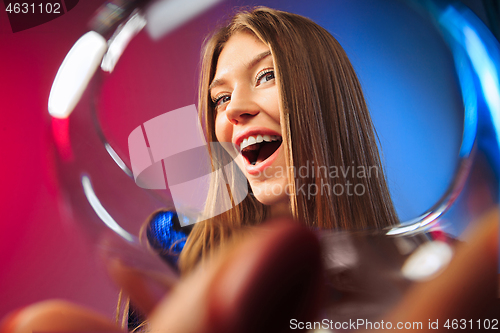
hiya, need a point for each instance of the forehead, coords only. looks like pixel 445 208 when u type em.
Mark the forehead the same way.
pixel 238 52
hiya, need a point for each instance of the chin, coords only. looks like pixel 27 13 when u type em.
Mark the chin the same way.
pixel 266 196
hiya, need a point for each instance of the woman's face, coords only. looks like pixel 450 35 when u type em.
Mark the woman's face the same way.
pixel 245 95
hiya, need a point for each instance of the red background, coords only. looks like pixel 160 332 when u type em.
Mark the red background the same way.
pixel 41 255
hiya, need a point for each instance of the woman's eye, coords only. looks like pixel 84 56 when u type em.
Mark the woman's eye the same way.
pixel 222 99
pixel 264 77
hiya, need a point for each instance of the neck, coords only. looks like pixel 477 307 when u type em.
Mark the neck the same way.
pixel 282 209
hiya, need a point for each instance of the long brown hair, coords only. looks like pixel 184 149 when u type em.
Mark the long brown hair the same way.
pixel 326 128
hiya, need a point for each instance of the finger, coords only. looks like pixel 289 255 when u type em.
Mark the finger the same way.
pixel 56 316
pixel 257 285
pixel 145 288
pixel 466 288
pixel 143 277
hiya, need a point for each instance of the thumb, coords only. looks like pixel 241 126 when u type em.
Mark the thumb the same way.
pixel 56 316
pixel 259 284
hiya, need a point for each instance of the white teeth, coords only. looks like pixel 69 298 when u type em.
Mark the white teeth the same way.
pixel 251 140
pixel 244 144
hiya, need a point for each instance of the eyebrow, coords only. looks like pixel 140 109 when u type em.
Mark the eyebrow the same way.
pixel 259 57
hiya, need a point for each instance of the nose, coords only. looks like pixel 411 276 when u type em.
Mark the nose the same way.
pixel 242 107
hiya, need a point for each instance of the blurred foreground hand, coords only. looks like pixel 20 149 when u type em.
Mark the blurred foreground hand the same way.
pixel 270 276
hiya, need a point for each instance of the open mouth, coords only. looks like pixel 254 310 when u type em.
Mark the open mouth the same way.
pixel 257 149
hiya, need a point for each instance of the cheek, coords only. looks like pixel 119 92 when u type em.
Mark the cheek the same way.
pixel 274 104
pixel 223 130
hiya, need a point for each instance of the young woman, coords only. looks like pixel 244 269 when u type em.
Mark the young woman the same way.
pixel 281 77
pixel 281 89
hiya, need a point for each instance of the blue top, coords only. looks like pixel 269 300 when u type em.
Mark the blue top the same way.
pixel 165 235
